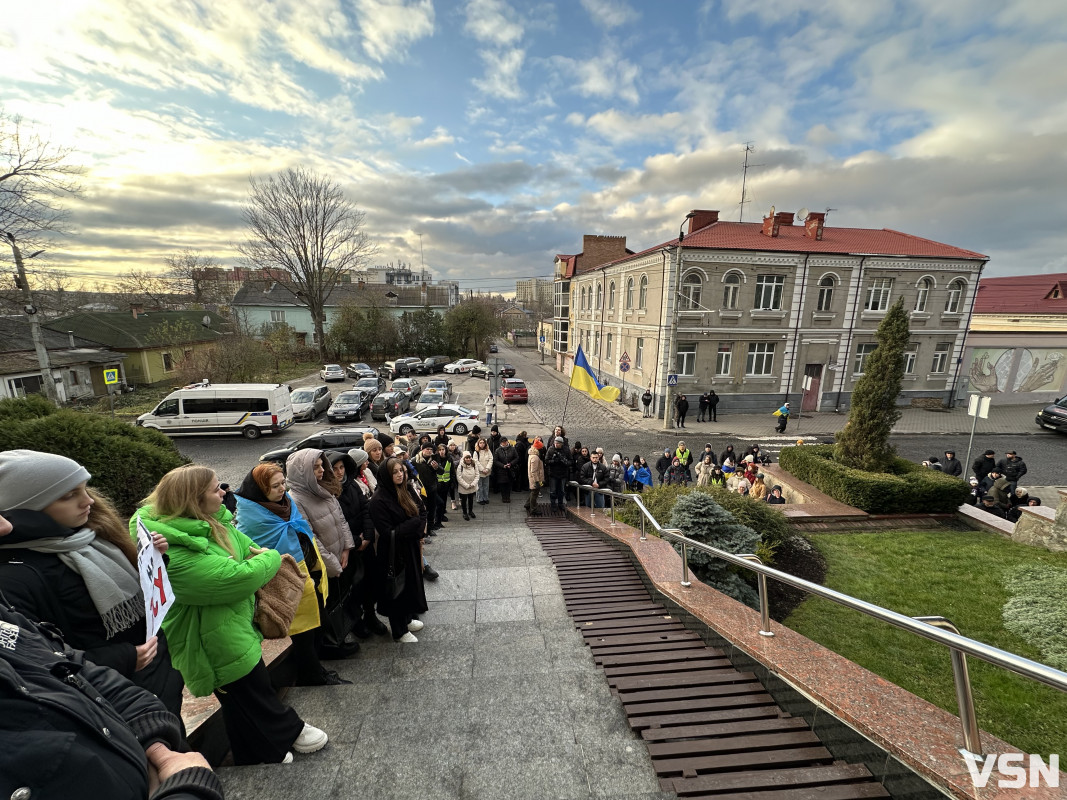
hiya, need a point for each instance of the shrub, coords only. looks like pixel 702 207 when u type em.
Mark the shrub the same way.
pixel 909 488
pixel 701 518
pixel 1037 610
pixel 32 406
pixel 126 462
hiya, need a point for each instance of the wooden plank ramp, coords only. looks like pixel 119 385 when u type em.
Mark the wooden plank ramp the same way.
pixel 710 730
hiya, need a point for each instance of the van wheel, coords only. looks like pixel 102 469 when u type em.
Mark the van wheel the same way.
pixel 460 430
pixel 406 429
pixel 250 432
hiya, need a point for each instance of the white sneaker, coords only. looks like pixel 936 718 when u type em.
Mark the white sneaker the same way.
pixel 415 625
pixel 310 740
pixel 407 638
pixel 288 758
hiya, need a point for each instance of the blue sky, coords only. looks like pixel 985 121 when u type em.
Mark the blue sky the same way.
pixel 503 131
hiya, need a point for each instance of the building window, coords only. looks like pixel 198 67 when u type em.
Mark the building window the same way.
pixel 560 335
pixel 168 363
pixel 760 359
pixel 862 351
pixel 74 377
pixel 955 297
pixel 611 296
pixel 639 353
pixel 826 294
pixel 629 293
pixel 277 316
pixel 596 344
pixel 29 384
pixel 724 359
pixel 923 295
pixel 607 354
pixel 599 296
pixel 909 362
pixel 730 291
pixel 691 292
pixel 685 361
pixel 878 291
pixel 562 298
pixel 642 294
pixel 769 290
pixel 940 364
pixel 582 305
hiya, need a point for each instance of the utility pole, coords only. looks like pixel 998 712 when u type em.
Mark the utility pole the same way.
pixel 30 308
pixel 422 260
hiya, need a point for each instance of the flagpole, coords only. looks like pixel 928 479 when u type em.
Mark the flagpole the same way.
pixel 565 404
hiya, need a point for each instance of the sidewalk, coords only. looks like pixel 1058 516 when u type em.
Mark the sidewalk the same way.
pixel 1005 419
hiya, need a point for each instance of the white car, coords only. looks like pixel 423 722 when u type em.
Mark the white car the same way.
pixel 456 419
pixel 462 366
pixel 437 391
pixel 332 372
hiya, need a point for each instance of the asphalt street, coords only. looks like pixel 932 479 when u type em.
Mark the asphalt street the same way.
pixel 586 421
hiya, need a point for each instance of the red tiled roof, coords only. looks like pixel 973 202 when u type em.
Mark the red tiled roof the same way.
pixel 1022 294
pixel 791 238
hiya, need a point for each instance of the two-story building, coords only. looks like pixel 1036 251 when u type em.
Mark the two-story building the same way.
pixel 764 312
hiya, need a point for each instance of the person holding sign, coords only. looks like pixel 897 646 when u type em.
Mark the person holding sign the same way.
pixel 69 560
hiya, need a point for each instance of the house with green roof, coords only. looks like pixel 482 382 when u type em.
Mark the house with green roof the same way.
pixel 154 342
pixel 76 365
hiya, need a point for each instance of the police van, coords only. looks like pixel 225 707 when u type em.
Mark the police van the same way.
pixel 206 409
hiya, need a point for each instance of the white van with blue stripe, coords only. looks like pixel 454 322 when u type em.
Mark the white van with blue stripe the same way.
pixel 206 409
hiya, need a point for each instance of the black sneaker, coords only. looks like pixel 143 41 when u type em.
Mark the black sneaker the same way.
pixel 473 515
pixel 375 626
pixel 444 518
pixel 429 573
pixel 333 679
pixel 467 516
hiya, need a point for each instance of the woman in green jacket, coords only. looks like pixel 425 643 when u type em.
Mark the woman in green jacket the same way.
pixel 214 572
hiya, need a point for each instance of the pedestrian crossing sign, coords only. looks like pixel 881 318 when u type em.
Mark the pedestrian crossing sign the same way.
pixel 672 380
pixel 111 376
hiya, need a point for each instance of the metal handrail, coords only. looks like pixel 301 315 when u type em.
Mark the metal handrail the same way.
pixel 936 629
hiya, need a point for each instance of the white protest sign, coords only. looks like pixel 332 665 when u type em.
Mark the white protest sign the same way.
pixel 158 596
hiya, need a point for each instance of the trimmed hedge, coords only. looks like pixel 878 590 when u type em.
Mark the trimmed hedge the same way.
pixel 909 489
pixel 126 462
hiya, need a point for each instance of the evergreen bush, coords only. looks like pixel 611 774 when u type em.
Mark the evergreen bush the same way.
pixel 908 489
pixel 32 406
pixel 126 462
pixel 701 518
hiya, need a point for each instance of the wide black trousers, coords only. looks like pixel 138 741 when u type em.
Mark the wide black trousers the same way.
pixel 261 728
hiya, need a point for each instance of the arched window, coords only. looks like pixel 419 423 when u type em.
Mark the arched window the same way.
pixel 599 296
pixel 690 299
pixel 954 302
pixel 582 306
pixel 826 294
pixel 731 288
pixel 642 294
pixel 922 297
pixel 611 296
pixel 629 293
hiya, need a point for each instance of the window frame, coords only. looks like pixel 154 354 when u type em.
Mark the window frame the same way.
pixel 731 292
pixel 724 358
pixel 764 353
pixel 689 292
pixel 859 360
pixel 607 346
pixel 611 296
pixel 629 294
pixel 776 285
pixel 954 301
pixel 941 356
pixel 642 293
pixel 685 361
pixel 922 295
pixel 878 288
pixel 639 352
pixel 599 297
pixel 825 299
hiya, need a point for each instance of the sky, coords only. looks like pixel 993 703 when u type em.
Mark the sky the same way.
pixel 503 131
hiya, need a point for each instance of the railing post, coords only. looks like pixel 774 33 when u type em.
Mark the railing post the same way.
pixel 972 738
pixel 764 600
pixel 685 566
pixel 644 536
pixel 612 498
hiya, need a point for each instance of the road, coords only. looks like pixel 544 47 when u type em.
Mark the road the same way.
pixel 586 421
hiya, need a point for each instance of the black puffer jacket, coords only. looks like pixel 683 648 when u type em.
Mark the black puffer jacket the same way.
pixel 558 462
pixel 70 728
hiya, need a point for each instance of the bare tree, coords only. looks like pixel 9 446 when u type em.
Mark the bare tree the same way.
pixel 192 273
pixel 149 288
pixel 302 223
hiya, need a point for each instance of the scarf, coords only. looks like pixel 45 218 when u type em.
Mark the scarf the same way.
pixel 110 579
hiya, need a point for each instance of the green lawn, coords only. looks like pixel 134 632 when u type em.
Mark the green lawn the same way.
pixel 957 575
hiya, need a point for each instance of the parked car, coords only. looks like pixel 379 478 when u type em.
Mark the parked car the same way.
pixel 349 406
pixel 331 372
pixel 360 370
pixel 456 419
pixel 309 403
pixel 435 393
pixel 461 366
pixel 1054 417
pixel 389 371
pixel 389 404
pixel 415 366
pixel 326 439
pixel 514 391
pixel 483 370
pixel 409 386
pixel 370 386
pixel 435 364
pixel 493 349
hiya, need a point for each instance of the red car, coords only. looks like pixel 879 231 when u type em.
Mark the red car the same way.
pixel 514 391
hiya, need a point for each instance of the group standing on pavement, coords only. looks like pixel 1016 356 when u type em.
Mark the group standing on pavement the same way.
pixel 994 484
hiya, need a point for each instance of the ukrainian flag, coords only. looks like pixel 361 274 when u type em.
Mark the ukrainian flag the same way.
pixel 583 380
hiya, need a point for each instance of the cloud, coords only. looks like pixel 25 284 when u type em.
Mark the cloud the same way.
pixel 619 127
pixel 390 27
pixel 502 73
pixel 493 22
pixel 439 137
pixel 610 13
pixel 606 75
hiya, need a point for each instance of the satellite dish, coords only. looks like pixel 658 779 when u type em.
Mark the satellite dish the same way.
pixel 771 212
pixel 206 321
pixel 803 213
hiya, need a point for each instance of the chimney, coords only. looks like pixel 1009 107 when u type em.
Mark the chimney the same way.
pixel 70 338
pixel 136 309
pixel 770 226
pixel 701 219
pixel 785 217
pixel 813 225
pixel 597 250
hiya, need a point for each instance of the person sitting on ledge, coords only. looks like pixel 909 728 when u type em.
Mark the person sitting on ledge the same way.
pixel 989 506
pixel 775 497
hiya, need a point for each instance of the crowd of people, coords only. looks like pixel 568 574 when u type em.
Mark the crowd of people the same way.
pixel 994 483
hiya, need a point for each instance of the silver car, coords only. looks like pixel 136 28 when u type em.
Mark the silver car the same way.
pixel 332 372
pixel 309 403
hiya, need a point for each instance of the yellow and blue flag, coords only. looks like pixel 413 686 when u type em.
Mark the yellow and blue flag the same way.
pixel 583 380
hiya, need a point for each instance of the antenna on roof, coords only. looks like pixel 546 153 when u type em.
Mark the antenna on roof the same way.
pixel 827 212
pixel 749 148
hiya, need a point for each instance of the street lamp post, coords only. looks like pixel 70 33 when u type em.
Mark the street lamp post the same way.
pixel 47 381
pixel 671 309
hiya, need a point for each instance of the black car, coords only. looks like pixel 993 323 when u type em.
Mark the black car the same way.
pixel 326 439
pixel 415 366
pixel 349 406
pixel 493 349
pixel 435 364
pixel 389 404
pixel 360 370
pixel 483 370
pixel 370 386
pixel 1054 417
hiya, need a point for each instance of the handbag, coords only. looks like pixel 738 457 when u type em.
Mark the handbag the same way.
pixel 278 599
pixel 393 583
pixel 338 618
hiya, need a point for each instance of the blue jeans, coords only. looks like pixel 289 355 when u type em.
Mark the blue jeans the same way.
pixel 557 491
pixel 483 489
pixel 597 499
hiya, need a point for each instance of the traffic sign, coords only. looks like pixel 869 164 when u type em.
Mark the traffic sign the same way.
pixel 672 380
pixel 541 339
pixel 624 367
pixel 624 357
pixel 111 376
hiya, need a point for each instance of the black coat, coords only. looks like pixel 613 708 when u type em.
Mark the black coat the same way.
pixel 522 448
pixel 952 466
pixel 663 463
pixel 682 404
pixel 505 462
pixel 45 589
pixel 72 728
pixel 713 400
pixel 729 453
pixel 558 462
pixel 981 466
pixel 388 517
pixel 1012 470
pixel 594 472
